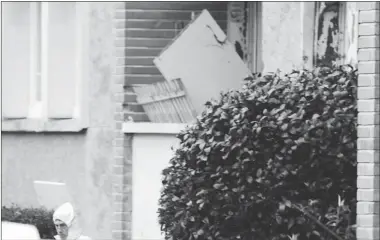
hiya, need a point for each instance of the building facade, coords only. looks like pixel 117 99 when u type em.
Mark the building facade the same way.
pixel 73 131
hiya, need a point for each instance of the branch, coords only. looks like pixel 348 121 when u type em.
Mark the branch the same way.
pixel 317 222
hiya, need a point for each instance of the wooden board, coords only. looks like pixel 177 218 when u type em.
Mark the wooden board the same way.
pixel 204 60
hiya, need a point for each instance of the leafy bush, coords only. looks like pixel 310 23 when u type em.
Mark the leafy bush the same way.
pixel 269 161
pixel 39 217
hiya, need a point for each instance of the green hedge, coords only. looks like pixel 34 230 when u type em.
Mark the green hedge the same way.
pixel 39 217
pixel 269 161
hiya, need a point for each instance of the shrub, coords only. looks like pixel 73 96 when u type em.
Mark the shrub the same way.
pixel 39 217
pixel 268 161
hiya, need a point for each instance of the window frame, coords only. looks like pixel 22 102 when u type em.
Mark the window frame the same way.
pixel 253 26
pixel 37 120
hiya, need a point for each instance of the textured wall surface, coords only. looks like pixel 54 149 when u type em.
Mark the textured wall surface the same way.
pixel 100 132
pixel 55 157
pixel 29 156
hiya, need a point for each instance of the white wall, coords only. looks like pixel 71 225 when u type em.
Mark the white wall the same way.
pixel 151 154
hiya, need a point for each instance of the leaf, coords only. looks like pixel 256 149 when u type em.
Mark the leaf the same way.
pixel 235 165
pixel 201 192
pixel 279 219
pixel 284 127
pixel 207 150
pixel 258 130
pixel 175 198
pixel 249 179
pixel 178 214
pixel 315 116
pixel 271 91
pixel 202 145
pixel 218 112
pixel 300 220
pixel 291 223
pixel 224 115
pixel 259 172
pixel 218 185
pixel 201 205
pixel 236 158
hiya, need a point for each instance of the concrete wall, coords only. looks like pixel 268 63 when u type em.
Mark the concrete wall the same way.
pixel 30 156
pixel 82 160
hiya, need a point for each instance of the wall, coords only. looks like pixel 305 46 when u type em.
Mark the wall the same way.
pixel 100 133
pixel 368 195
pixel 82 160
pixel 30 156
pixel 146 181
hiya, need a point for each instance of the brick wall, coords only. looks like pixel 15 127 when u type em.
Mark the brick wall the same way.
pixel 368 122
pixel 143 29
pixel 122 164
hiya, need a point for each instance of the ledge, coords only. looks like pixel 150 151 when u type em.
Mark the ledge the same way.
pixel 38 125
pixel 157 128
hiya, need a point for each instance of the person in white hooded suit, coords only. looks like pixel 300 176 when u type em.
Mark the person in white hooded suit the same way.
pixel 66 224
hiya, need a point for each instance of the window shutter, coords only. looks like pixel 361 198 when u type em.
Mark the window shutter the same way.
pixel 61 59
pixel 16 60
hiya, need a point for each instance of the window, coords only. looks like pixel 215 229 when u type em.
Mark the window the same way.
pixel 336 33
pixel 42 61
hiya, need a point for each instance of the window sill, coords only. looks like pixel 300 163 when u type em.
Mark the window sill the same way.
pixel 153 128
pixel 38 125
